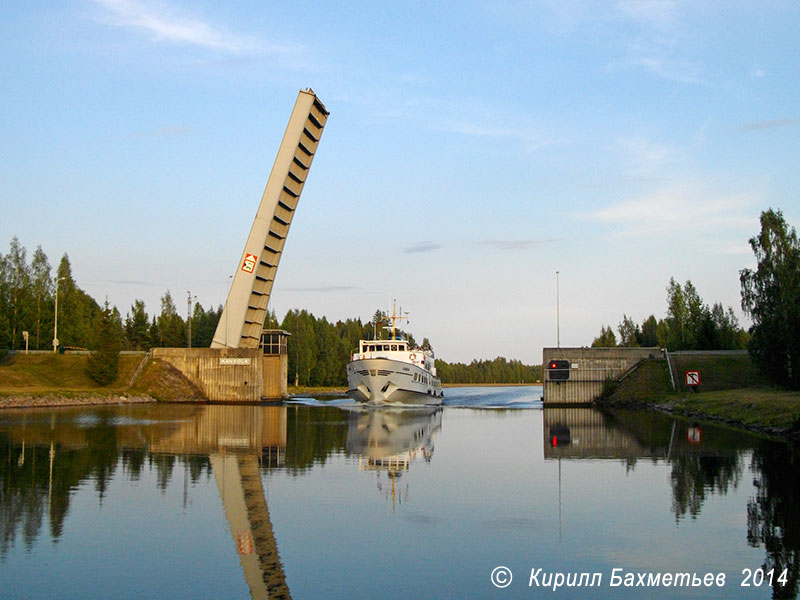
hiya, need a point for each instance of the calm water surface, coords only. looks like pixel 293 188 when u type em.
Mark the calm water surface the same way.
pixel 326 500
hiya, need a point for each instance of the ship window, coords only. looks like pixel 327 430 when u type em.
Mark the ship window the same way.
pixel 394 346
pixel 372 348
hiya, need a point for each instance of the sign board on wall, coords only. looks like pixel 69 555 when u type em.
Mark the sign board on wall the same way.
pixel 234 361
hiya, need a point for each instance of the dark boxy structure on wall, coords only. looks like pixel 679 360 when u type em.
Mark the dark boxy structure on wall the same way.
pixel 574 376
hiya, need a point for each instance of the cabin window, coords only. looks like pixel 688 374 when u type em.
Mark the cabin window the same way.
pixel 372 348
pixel 394 346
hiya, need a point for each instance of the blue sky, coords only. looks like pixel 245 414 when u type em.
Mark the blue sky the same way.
pixel 473 149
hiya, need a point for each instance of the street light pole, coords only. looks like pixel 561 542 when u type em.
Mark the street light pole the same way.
pixel 558 315
pixel 55 320
pixel 225 310
pixel 189 316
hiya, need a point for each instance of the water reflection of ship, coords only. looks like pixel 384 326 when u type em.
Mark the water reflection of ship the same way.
pixel 387 440
pixel 390 439
pixel 237 439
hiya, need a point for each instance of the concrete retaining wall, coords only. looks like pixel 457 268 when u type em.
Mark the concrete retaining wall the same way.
pixel 589 369
pixel 230 374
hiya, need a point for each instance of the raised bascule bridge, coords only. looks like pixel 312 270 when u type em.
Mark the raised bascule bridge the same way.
pixel 245 362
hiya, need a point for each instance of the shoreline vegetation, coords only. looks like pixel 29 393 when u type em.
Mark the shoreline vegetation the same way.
pixel 731 393
pixel 756 407
pixel 50 380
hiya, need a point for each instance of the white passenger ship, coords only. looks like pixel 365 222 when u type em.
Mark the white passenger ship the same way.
pixel 390 371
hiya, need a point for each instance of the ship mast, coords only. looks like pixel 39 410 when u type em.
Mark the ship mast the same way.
pixel 395 317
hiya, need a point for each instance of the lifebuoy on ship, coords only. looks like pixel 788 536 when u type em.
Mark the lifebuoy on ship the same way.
pixel 412 356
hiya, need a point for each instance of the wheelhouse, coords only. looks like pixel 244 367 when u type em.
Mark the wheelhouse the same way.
pixel 383 346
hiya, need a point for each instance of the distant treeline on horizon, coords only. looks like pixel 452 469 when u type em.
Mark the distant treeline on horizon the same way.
pixel 318 349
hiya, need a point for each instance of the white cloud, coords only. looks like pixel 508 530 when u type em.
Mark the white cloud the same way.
pixel 678 70
pixel 644 156
pixel 161 22
pixel 742 249
pixel 517 244
pixel 480 126
pixel 426 246
pixel 775 123
pixel 657 13
pixel 675 209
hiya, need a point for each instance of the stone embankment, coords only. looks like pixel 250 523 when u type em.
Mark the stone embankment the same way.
pixel 55 400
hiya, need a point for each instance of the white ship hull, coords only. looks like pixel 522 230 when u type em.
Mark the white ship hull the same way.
pixel 390 381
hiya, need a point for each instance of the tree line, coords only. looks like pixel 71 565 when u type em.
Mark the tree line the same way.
pixel 690 324
pixel 318 348
pixel 28 293
pixel 319 351
pixel 770 296
pixel 497 370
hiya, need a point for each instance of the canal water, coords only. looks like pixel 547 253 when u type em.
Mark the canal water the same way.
pixel 491 496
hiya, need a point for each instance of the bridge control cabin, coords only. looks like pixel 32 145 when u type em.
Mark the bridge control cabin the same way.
pixel 274 345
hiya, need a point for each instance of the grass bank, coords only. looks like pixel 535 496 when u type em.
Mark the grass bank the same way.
pixel 730 394
pixel 62 380
pixel 47 373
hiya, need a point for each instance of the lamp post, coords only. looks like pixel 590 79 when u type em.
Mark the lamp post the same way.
pixel 189 316
pixel 558 315
pixel 225 310
pixel 55 320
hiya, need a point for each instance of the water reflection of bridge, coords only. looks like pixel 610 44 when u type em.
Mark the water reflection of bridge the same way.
pixel 237 440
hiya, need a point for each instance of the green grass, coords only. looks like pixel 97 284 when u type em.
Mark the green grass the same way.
pixel 648 384
pixel 717 372
pixel 731 392
pixel 47 373
pixel 753 407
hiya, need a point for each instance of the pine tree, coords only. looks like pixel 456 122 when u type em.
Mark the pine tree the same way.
pixel 19 280
pixel 171 327
pixel 42 285
pixel 103 364
pixel 606 339
pixel 136 327
pixel 649 332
